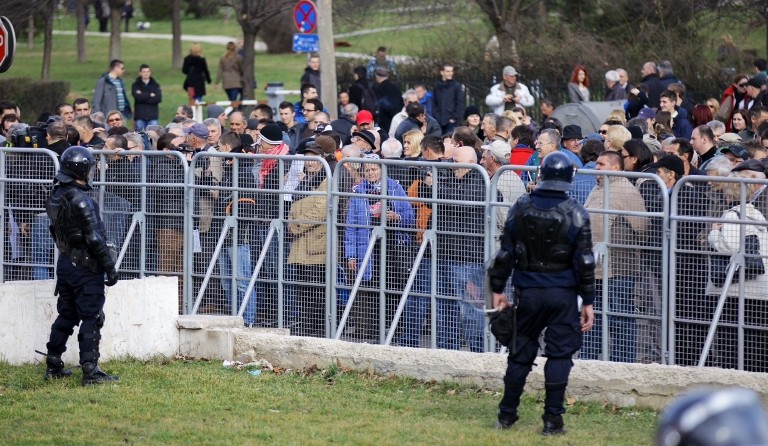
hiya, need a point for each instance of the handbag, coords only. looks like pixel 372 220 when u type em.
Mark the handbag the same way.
pixel 753 262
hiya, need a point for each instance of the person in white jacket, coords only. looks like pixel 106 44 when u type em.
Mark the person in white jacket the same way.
pixel 509 93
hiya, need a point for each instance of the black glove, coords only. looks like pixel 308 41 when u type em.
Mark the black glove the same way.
pixel 111 278
pixel 502 326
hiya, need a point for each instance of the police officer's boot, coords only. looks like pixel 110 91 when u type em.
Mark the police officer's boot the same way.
pixel 553 408
pixel 57 344
pixel 92 374
pixel 507 416
pixel 89 356
pixel 55 368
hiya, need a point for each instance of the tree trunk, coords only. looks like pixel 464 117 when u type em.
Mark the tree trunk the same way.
pixel 31 32
pixel 176 59
pixel 508 47
pixel 80 12
pixel 114 32
pixel 249 55
pixel 48 12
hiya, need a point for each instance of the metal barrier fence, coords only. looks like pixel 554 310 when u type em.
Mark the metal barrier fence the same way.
pixel 393 252
pixel 719 316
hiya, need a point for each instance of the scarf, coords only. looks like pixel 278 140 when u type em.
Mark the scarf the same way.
pixel 268 165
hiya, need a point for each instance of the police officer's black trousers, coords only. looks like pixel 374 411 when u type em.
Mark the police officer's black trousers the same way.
pixel 81 301
pixel 555 309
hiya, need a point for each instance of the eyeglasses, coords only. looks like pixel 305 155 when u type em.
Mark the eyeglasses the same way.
pixel 742 85
pixel 305 111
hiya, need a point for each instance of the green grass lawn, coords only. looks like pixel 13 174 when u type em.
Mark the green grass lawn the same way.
pixel 286 68
pixel 199 402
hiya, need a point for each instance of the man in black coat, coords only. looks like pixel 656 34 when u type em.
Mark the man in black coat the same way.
pixel 448 100
pixel 652 83
pixel 147 97
pixel 390 98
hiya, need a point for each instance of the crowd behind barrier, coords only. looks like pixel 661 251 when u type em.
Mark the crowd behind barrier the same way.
pixel 393 252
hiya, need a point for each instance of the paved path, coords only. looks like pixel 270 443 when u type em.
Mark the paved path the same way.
pixel 261 47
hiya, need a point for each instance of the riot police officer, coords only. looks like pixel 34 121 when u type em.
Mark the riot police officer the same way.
pixel 548 243
pixel 84 259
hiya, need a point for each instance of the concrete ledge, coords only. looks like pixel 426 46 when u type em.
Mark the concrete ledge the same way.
pixel 203 321
pixel 642 385
pixel 140 320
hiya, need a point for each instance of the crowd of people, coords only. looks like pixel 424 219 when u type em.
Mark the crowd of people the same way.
pixel 659 130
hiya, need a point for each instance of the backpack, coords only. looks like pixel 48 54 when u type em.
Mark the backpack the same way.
pixel 369 100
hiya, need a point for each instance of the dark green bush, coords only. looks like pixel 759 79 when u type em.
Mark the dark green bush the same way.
pixel 155 10
pixel 34 97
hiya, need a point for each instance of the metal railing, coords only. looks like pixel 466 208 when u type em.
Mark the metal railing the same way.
pixel 399 261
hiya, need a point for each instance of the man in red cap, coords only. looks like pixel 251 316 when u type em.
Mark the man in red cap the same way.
pixel 364 120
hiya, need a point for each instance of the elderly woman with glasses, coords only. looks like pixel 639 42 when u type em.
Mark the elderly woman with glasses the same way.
pixel 372 208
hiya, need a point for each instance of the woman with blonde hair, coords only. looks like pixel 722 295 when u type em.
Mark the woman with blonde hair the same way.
pixel 196 69
pixel 412 144
pixel 230 74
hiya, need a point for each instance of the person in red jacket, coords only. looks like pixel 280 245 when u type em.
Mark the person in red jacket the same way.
pixel 522 146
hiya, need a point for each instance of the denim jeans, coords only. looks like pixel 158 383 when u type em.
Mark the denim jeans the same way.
pixel 417 307
pixel 458 280
pixel 233 93
pixel 267 289
pixel 42 248
pixel 243 275
pixel 622 329
pixel 142 124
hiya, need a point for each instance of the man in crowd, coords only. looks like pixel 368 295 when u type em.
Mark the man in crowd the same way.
pixel 408 97
pixel 417 119
pixel 66 112
pixel 703 142
pixel 84 127
pixel 681 126
pixel 626 231
pixel 110 93
pixel 56 136
pixel 380 60
pixel 460 251
pixel 509 93
pixel 389 95
pixel 147 96
pixel 237 122
pixel 448 100
pixel 311 74
pixel 82 107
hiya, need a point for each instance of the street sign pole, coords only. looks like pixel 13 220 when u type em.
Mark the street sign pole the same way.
pixel 327 58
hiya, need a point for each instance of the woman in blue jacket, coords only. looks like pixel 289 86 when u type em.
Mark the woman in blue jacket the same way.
pixel 372 209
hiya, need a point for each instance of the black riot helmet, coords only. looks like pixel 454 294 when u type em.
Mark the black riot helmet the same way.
pixel 556 172
pixel 77 163
pixel 722 417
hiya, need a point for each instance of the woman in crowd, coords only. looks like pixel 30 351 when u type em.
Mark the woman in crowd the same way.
pixel 732 100
pixel 196 69
pixel 309 250
pixel 578 86
pixel 663 125
pixel 365 213
pixel 472 120
pixel 725 239
pixel 637 156
pixel 740 124
pixel 701 115
pixel 230 73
